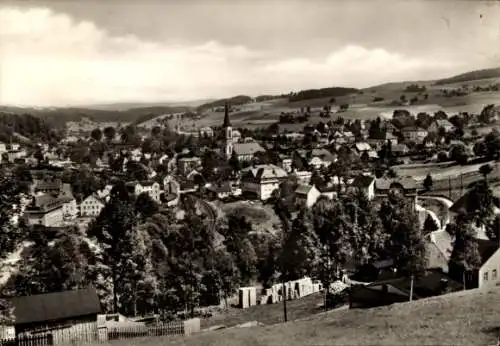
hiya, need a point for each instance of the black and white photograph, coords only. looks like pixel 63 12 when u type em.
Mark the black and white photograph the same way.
pixel 249 172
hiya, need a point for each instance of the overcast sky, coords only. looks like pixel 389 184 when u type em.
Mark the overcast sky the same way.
pixel 62 52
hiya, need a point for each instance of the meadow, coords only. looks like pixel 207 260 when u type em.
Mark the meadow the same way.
pixel 463 318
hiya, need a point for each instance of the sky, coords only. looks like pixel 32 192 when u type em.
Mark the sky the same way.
pixel 70 52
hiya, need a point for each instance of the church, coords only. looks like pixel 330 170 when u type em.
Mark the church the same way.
pixel 244 151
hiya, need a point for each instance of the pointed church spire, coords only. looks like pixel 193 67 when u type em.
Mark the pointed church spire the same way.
pixel 226 116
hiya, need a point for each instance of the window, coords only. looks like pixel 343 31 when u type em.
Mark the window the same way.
pixel 485 276
pixel 494 274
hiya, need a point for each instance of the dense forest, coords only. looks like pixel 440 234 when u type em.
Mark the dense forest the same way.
pixel 319 93
pixel 470 76
pixel 63 115
pixel 233 101
pixel 34 128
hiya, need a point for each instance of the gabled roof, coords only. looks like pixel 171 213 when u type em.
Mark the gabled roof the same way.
pixel 406 183
pixel 443 123
pixel 265 171
pixel 303 189
pixel 363 146
pixel 56 306
pixel 399 148
pixel 249 148
pixel 224 187
pixel 363 181
pixel 413 129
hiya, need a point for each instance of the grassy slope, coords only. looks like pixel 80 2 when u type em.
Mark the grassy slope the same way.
pixel 464 318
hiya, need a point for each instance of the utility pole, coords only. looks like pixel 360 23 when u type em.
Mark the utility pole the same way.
pixel 461 184
pixel 449 187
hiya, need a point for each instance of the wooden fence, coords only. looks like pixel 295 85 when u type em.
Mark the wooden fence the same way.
pixel 114 331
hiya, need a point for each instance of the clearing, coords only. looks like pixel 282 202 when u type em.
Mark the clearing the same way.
pixel 463 318
pixel 262 217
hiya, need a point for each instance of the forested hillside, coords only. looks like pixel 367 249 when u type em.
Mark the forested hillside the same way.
pixel 34 128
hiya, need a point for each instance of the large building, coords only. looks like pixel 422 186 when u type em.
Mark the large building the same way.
pixel 45 210
pixel 91 206
pixel 262 180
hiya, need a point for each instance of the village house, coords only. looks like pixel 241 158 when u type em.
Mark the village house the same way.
pixel 362 147
pixel 365 184
pixel 245 152
pixel 414 134
pixel 13 155
pixel 91 206
pixel 206 132
pixel 70 207
pixel 400 149
pixel 187 164
pixel 303 177
pixel 440 123
pixel 45 210
pixel 220 191
pixel 53 186
pixel 64 318
pixel 262 180
pixel 406 187
pixel 151 188
pixel 306 195
pixel 286 163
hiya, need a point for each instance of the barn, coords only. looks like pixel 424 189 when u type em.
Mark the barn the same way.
pixel 58 318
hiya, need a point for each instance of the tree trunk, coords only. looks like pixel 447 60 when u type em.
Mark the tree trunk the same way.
pixel 463 279
pixel 412 279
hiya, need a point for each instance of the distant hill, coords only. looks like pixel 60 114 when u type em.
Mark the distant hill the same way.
pixel 320 93
pixel 135 105
pixel 63 115
pixel 233 101
pixel 470 76
pixel 26 128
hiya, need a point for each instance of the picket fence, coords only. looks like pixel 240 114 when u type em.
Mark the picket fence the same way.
pixel 103 334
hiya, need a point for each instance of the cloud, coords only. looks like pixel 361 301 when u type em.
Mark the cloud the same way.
pixel 360 67
pixel 48 58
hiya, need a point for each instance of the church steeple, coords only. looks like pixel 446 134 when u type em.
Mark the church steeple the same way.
pixel 227 123
pixel 229 133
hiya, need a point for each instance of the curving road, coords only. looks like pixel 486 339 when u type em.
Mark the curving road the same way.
pixel 444 201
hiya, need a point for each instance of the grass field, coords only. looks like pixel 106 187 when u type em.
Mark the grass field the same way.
pixel 464 318
pixel 362 107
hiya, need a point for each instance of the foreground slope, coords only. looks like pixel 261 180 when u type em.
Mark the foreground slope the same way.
pixel 463 318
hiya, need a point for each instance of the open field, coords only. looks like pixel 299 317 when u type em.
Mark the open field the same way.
pixel 361 106
pixel 268 314
pixel 463 318
pixel 442 171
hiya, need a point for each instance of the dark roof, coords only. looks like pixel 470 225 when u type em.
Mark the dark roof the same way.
pixel 386 184
pixel 466 200
pixel 363 181
pixel 486 249
pixel 221 188
pixel 227 123
pixel 55 306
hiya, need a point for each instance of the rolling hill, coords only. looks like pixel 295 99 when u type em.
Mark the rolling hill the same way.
pixel 463 318
pixel 471 76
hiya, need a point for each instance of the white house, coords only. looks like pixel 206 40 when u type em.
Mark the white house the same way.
pixel 365 184
pixel 307 195
pixel 91 206
pixel 303 177
pixel 262 180
pixel 70 208
pixel 153 189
